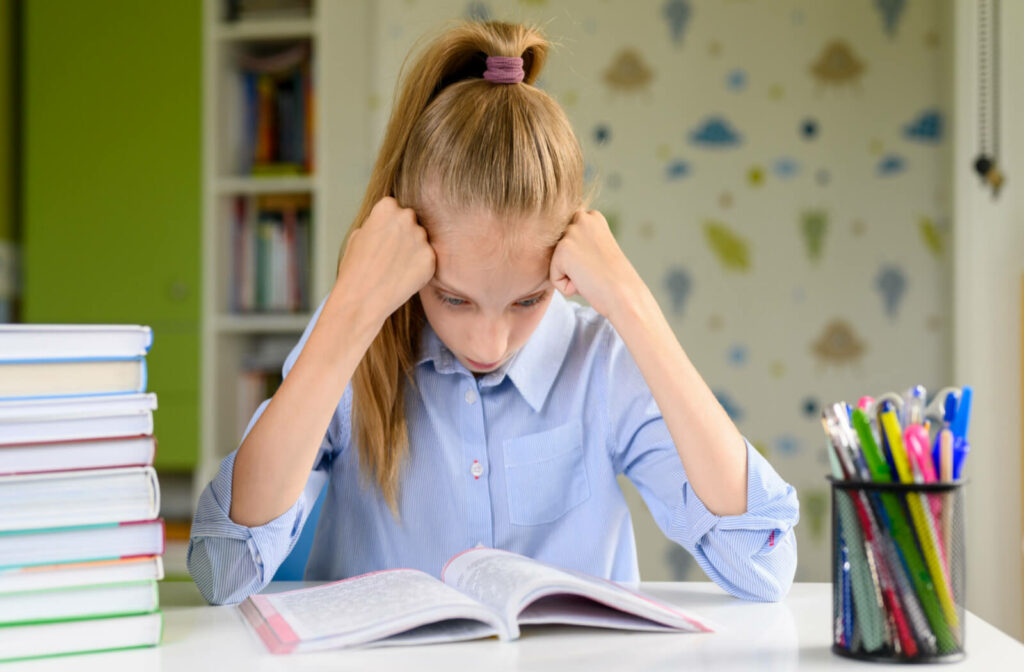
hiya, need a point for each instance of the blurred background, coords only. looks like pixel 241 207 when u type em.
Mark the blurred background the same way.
pixel 794 180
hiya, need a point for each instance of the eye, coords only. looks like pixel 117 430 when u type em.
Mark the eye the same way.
pixel 530 303
pixel 450 300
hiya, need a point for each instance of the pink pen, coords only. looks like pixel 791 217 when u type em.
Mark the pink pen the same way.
pixel 917 440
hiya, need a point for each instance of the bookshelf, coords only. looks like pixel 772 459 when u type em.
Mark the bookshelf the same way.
pixel 237 336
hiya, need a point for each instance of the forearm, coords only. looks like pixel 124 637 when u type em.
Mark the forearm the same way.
pixel 710 446
pixel 273 463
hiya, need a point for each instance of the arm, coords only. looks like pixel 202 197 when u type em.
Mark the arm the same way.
pixel 751 555
pixel 386 261
pixel 706 486
pixel 251 514
pixel 229 561
pixel 588 260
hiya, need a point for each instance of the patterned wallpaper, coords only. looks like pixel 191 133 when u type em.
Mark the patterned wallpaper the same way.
pixel 776 171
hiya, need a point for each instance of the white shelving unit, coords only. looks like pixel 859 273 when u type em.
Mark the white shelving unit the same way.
pixel 339 35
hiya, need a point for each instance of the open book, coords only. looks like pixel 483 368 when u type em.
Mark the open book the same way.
pixel 483 592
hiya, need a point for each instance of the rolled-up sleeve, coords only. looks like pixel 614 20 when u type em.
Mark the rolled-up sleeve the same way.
pixel 228 561
pixel 752 555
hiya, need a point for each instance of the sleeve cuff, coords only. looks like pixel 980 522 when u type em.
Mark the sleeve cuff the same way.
pixel 265 541
pixel 771 504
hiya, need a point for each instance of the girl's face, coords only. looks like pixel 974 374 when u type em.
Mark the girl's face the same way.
pixel 489 291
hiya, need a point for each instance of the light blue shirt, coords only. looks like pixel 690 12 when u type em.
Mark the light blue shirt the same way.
pixel 525 459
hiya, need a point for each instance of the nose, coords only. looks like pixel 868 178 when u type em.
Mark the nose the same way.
pixel 489 341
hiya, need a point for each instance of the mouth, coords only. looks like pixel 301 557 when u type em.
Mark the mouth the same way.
pixel 482 366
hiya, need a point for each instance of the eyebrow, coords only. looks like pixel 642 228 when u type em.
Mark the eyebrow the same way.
pixel 437 283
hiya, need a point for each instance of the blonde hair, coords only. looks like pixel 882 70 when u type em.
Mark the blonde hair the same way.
pixel 456 139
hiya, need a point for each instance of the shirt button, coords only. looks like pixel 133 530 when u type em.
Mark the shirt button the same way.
pixel 476 469
pixel 470 396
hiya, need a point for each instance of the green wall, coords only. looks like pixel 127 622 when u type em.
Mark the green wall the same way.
pixel 6 119
pixel 112 184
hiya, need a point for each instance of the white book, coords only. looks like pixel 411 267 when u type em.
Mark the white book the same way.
pixel 81 636
pixel 28 458
pixel 36 379
pixel 51 604
pixel 483 592
pixel 95 572
pixel 27 548
pixel 20 342
pixel 71 418
pixel 84 497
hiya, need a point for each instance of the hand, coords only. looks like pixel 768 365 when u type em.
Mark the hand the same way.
pixel 588 261
pixel 386 261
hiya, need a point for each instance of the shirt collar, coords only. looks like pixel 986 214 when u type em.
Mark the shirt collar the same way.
pixel 533 369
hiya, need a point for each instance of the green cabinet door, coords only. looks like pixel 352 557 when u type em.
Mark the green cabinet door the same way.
pixel 112 167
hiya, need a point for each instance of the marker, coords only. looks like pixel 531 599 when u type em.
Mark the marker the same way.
pixel 960 444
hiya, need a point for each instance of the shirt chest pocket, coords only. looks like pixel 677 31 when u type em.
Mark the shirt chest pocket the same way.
pixel 545 474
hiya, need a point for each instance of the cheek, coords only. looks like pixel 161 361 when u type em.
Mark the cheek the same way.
pixel 526 325
pixel 443 320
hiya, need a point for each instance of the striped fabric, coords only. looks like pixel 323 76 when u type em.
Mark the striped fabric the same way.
pixel 524 458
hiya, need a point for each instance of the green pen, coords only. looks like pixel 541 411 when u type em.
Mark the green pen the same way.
pixel 877 464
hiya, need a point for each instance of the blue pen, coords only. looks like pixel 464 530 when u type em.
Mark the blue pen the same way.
pixel 960 423
pixel 847 596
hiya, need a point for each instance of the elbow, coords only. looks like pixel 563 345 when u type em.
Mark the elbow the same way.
pixel 219 585
pixel 774 570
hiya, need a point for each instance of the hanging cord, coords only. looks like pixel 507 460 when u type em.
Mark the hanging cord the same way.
pixel 994 34
pixel 983 59
pixel 986 164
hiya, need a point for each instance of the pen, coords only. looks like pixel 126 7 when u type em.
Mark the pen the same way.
pixel 925 531
pixel 869 447
pixel 948 413
pixel 946 475
pixel 963 417
pixel 916 441
pixel 872 583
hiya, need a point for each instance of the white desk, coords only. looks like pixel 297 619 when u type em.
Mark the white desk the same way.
pixel 793 634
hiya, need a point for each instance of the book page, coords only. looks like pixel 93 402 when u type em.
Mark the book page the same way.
pixel 497 578
pixel 576 610
pixel 510 582
pixel 372 606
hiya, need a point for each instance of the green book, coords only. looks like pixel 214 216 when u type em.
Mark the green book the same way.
pixel 79 619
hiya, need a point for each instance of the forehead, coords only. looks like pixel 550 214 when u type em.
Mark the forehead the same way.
pixel 479 255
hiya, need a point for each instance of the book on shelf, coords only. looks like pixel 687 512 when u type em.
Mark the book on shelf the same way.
pixel 271 254
pixel 267 10
pixel 277 100
pixel 483 592
pixel 83 497
pixel 93 572
pixel 98 453
pixel 40 640
pixel 71 602
pixel 38 547
pixel 76 418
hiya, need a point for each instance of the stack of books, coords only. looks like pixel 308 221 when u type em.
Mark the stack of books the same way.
pixel 80 537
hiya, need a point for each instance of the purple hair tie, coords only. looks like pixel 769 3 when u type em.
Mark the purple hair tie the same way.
pixel 504 69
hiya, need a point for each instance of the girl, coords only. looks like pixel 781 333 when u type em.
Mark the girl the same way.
pixel 447 393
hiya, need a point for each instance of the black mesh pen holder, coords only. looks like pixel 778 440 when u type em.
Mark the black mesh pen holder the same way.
pixel 898 571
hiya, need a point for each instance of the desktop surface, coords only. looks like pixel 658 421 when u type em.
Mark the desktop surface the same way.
pixel 790 635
